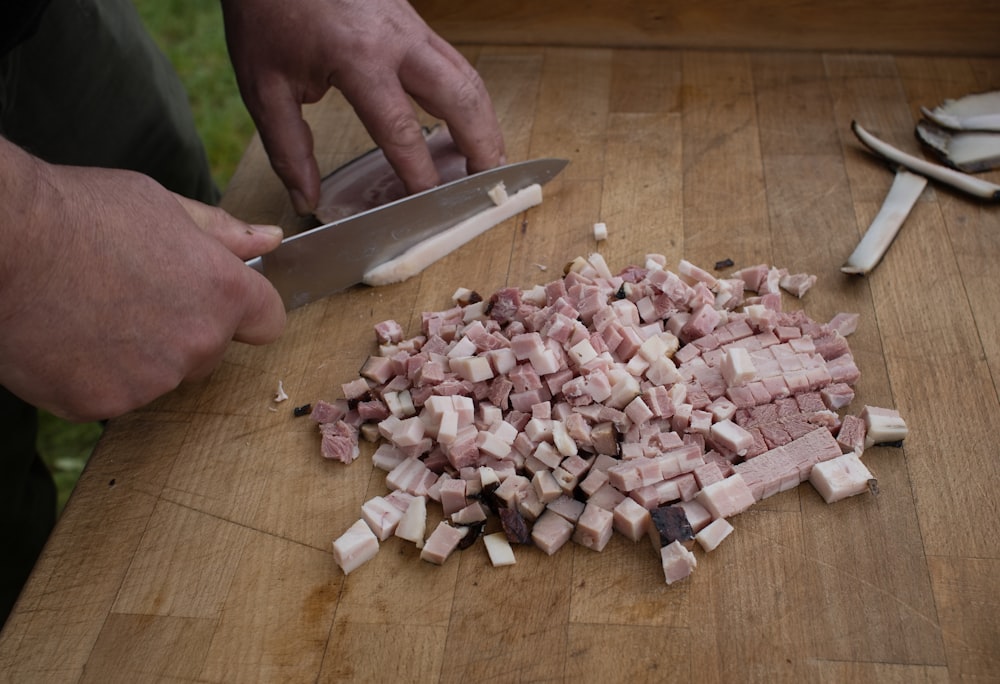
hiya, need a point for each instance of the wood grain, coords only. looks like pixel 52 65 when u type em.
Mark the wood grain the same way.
pixel 197 544
pixel 963 27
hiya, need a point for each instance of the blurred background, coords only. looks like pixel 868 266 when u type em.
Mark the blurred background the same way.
pixel 190 33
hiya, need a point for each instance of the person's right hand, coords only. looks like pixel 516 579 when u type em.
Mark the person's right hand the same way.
pixel 113 290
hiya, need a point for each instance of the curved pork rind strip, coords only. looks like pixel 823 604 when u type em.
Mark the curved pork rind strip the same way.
pixel 422 255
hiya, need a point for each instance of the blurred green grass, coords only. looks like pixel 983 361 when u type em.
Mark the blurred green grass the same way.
pixel 190 33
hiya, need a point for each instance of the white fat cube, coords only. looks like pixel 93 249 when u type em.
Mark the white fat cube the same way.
pixel 712 534
pixel 882 425
pixel 737 367
pixel 472 368
pixel 355 547
pixel 499 549
pixel 381 516
pixel 840 477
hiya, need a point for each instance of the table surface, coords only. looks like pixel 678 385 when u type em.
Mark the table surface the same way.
pixel 196 546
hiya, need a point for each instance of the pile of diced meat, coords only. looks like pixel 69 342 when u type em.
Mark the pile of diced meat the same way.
pixel 648 403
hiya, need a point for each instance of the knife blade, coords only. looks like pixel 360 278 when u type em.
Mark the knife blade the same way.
pixel 333 257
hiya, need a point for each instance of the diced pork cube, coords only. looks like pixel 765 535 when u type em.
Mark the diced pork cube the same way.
pixel 413 525
pixel 712 534
pixel 594 528
pixel 606 497
pixel 851 435
pixel 551 531
pixel 882 425
pixel 631 519
pixel 840 477
pixel 339 441
pixel 731 436
pixel 472 368
pixel 737 366
pixel 698 516
pixel 452 494
pixel 567 507
pixel 355 547
pixel 381 516
pixel 797 283
pixel 474 513
pixel 546 486
pixel 443 540
pixel 677 561
pixel 727 497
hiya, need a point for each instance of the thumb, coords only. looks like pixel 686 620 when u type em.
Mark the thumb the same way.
pixel 245 240
pixel 264 313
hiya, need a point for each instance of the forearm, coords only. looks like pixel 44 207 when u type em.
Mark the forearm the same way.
pixel 19 190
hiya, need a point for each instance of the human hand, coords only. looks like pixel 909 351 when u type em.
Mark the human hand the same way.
pixel 114 290
pixel 376 52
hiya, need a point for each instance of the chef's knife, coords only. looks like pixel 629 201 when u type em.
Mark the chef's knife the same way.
pixel 331 258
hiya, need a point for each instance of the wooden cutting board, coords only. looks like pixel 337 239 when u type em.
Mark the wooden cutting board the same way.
pixel 197 544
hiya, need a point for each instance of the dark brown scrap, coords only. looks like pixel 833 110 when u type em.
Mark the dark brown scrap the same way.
pixel 515 526
pixel 671 523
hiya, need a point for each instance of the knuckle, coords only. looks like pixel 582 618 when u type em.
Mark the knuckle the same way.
pixel 470 93
pixel 403 131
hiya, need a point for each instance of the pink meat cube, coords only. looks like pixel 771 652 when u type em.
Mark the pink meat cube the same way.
pixel 697 515
pixel 851 436
pixel 677 561
pixel 712 534
pixel 567 507
pixel 355 547
pixel 727 497
pixel 606 497
pixel 443 540
pixel 840 477
pixel 594 528
pixel 731 436
pixel 452 493
pixel 631 519
pixel 551 531
pixel 381 516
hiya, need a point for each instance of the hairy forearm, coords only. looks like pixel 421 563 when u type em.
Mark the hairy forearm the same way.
pixel 19 189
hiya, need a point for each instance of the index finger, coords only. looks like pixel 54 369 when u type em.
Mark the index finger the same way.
pixel 448 87
pixel 288 141
pixel 386 112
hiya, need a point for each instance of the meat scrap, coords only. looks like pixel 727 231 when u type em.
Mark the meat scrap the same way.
pixel 645 403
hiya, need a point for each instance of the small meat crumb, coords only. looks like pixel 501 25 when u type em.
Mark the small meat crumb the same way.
pixel 725 263
pixel 600 231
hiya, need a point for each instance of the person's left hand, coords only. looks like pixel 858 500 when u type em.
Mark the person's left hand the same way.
pixel 377 53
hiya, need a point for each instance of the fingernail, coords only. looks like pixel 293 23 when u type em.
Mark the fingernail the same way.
pixel 267 230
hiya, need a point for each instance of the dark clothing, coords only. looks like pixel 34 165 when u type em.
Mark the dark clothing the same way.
pixel 91 88
pixel 18 20
pixel 88 87
pixel 27 498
